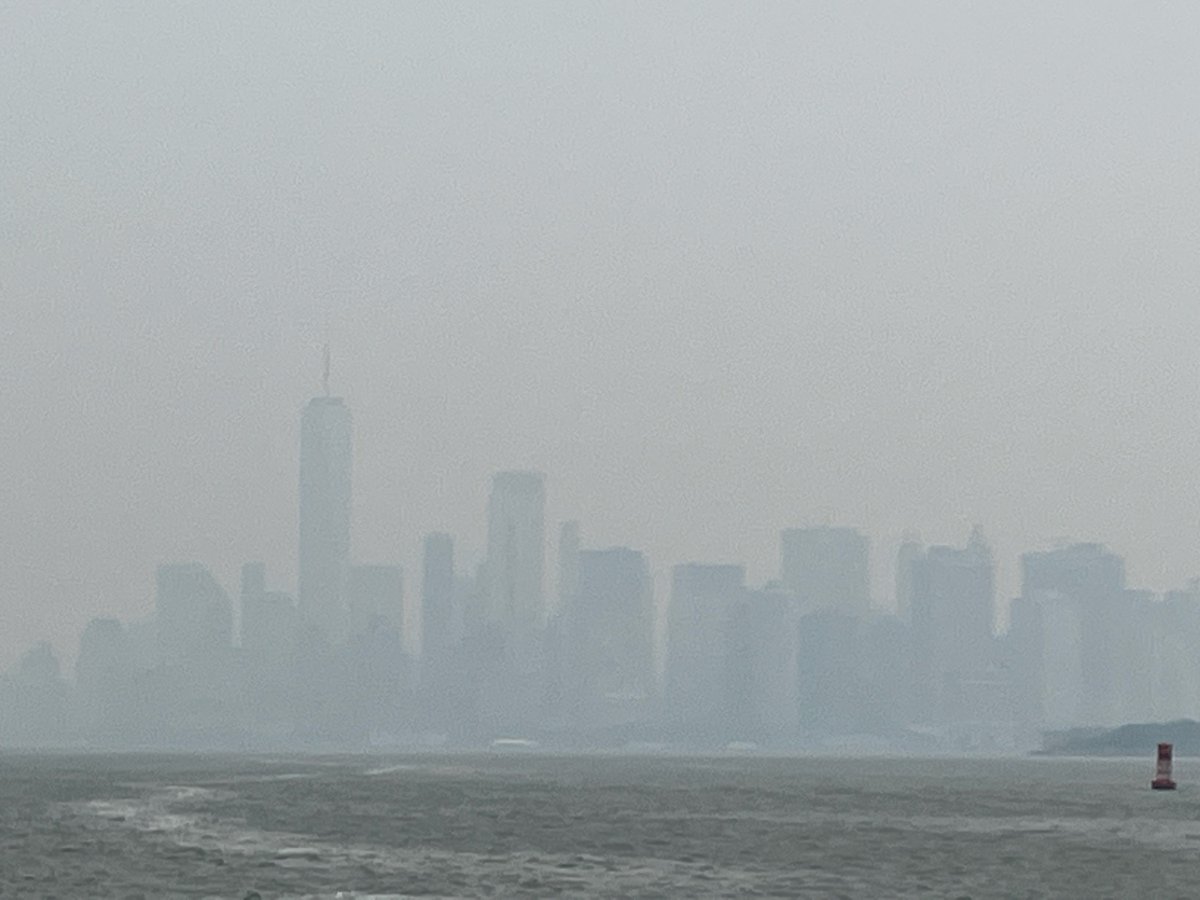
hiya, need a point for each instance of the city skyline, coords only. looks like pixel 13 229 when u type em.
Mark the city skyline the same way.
pixel 604 447
pixel 881 561
pixel 715 274
pixel 598 658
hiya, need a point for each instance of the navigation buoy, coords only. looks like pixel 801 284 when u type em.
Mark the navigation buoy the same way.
pixel 1162 775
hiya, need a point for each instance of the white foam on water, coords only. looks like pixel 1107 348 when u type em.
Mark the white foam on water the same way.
pixel 890 836
pixel 470 872
pixel 390 770
pixel 439 770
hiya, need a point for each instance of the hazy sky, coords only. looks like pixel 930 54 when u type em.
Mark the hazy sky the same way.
pixel 716 268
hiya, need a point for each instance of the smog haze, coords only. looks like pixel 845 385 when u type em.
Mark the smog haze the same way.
pixel 715 269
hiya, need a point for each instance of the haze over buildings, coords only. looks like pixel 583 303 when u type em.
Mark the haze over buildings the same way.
pixel 325 504
pixel 714 272
pixel 802 660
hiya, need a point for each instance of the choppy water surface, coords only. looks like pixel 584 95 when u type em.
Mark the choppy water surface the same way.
pixel 154 827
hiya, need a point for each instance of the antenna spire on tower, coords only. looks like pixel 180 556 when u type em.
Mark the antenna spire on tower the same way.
pixel 325 375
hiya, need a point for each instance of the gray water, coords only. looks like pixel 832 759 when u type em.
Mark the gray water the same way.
pixel 155 827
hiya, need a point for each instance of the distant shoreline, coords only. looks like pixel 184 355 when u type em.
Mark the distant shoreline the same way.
pixel 1133 740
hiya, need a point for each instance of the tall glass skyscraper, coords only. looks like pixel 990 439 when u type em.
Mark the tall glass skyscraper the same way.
pixel 516 552
pixel 325 447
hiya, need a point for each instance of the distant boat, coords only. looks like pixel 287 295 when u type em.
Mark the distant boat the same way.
pixel 1162 775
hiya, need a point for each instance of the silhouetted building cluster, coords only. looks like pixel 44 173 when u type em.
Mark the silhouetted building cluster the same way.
pixel 801 661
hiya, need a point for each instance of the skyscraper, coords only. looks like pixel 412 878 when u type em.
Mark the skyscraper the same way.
pixel 104 678
pixel 269 636
pixel 516 554
pixel 325 447
pixel 830 673
pixel 568 563
pixel 699 620
pixel 761 674
pixel 268 626
pixel 611 625
pixel 827 569
pixel 193 616
pixel 1077 570
pixel 952 610
pixel 375 598
pixel 562 668
pixel 1070 624
pixel 911 549
pixel 510 633
pixel 437 597
pixel 1174 664
pixel 193 684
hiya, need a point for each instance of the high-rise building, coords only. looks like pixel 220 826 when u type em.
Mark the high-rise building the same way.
pixel 445 687
pixel 1174 663
pixel 375 598
pixel 34 700
pixel 269 635
pixel 568 563
pixel 192 687
pixel 699 621
pixel 268 621
pixel 952 609
pixel 761 674
pixel 563 698
pixel 508 636
pixel 438 615
pixel 104 678
pixel 516 554
pixel 911 549
pixel 827 569
pixel 1075 570
pixel 325 502
pixel 886 669
pixel 611 637
pixel 830 673
pixel 1071 628
pixel 1046 650
pixel 193 616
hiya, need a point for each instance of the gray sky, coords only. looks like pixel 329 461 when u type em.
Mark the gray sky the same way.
pixel 715 268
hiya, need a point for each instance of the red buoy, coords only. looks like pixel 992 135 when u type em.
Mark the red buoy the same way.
pixel 1162 775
